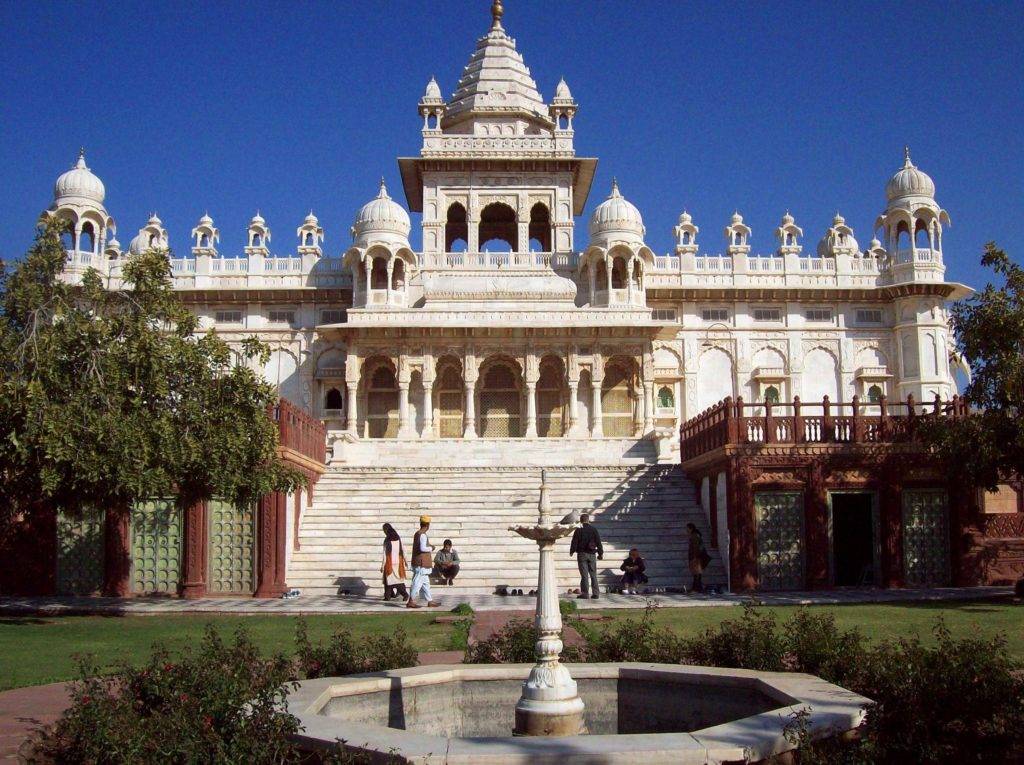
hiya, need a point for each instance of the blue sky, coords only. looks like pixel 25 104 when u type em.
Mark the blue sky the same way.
pixel 284 107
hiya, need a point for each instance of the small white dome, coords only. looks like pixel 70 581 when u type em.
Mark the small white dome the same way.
pixel 311 219
pixel 206 220
pixel 909 182
pixel 257 220
pixel 382 214
pixel 685 218
pixel 562 91
pixel 139 244
pixel 433 91
pixel 787 219
pixel 79 181
pixel 736 218
pixel 113 244
pixel 154 220
pixel 616 213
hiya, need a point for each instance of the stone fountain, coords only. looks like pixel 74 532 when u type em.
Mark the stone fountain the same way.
pixel 462 714
pixel 550 704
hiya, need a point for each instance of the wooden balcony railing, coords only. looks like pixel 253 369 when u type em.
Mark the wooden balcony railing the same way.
pixel 734 422
pixel 300 431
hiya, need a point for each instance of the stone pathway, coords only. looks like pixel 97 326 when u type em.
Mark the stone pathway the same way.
pixel 25 709
pixel 332 604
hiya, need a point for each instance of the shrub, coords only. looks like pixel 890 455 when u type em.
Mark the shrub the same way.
pixel 567 607
pixel 637 640
pixel 220 703
pixel 345 655
pixel 958 701
pixel 463 609
pixel 513 644
pixel 750 642
pixel 814 644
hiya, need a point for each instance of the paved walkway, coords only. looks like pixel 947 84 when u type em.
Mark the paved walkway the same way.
pixel 333 604
pixel 25 709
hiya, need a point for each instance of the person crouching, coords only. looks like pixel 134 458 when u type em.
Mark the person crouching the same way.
pixel 446 563
pixel 633 575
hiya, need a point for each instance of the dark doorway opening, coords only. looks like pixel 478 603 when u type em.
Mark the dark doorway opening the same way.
pixel 853 540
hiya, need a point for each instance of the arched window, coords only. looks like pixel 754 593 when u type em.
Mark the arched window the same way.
pixel 902 236
pixel 619 273
pixel 398 275
pixel 540 228
pixel 379 274
pixel 686 237
pixel 204 240
pixel 551 399
pixel 309 238
pixel 666 399
pixel 771 395
pixel 257 240
pixel 382 403
pixel 618 393
pixel 456 228
pixel 789 239
pixel 500 403
pixel 498 222
pixel 450 399
pixel 874 394
pixel 637 273
pixel 601 280
pixel 67 240
pixel 333 400
pixel 921 236
pixel 737 238
pixel 87 238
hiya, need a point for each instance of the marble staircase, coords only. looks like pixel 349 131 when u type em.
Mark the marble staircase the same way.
pixel 646 506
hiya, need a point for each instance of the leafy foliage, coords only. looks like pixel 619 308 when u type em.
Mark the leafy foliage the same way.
pixel 111 397
pixel 989 329
pixel 513 644
pixel 222 703
pixel 345 654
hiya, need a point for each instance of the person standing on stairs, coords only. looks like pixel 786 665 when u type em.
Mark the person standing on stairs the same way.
pixel 586 546
pixel 393 566
pixel 422 564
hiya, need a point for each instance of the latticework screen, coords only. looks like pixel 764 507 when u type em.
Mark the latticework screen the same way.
pixel 450 403
pixel 925 538
pixel 232 547
pixel 382 405
pixel 156 547
pixel 550 403
pixel 617 418
pixel 780 533
pixel 500 402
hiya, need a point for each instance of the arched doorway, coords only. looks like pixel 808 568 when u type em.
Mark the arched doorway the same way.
pixel 584 397
pixel 450 399
pixel 618 397
pixel 456 230
pixel 551 399
pixel 498 222
pixel 540 228
pixel 382 401
pixel 501 399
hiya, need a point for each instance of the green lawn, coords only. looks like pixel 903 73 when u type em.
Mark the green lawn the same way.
pixel 978 618
pixel 36 650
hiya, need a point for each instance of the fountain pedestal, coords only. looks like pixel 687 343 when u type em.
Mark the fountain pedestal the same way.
pixel 550 704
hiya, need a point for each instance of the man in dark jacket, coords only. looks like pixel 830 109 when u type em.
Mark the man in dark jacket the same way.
pixel 586 546
pixel 633 575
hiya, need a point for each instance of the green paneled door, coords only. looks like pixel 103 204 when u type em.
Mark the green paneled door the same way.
pixel 925 537
pixel 156 547
pixel 79 554
pixel 232 548
pixel 780 539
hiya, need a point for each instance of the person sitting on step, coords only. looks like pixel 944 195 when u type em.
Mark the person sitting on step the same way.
pixel 633 568
pixel 446 563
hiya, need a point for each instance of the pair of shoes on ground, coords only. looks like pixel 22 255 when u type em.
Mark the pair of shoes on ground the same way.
pixel 584 596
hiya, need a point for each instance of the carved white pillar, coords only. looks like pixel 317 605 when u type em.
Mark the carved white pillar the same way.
pixel 428 408
pixel 596 428
pixel 403 410
pixel 608 263
pixel 531 410
pixel 570 427
pixel 592 276
pixel 390 274
pixel 353 406
pixel 648 406
pixel 469 424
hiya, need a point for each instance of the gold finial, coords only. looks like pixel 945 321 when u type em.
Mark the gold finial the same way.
pixel 497 11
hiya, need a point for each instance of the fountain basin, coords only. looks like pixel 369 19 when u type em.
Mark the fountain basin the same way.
pixel 662 713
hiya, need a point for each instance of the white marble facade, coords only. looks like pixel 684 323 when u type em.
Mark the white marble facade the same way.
pixel 503 327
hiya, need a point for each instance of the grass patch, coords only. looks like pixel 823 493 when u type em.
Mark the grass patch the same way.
pixel 973 618
pixel 42 649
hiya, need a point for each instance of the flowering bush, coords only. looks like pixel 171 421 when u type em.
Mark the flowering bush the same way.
pixel 345 655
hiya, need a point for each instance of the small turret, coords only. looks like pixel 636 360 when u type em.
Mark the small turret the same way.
pixel 311 236
pixel 205 237
pixel 789 234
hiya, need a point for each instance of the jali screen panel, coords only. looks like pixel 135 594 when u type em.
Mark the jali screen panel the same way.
pixel 156 547
pixel 79 553
pixel 925 537
pixel 780 539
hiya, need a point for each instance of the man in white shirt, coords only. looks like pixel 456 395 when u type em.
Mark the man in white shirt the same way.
pixel 422 564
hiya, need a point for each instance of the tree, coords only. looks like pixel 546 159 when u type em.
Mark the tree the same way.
pixel 988 445
pixel 112 397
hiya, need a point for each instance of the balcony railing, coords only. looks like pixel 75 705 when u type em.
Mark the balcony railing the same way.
pixel 300 431
pixel 734 422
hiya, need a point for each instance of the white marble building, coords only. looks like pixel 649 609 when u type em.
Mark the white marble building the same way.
pixel 506 338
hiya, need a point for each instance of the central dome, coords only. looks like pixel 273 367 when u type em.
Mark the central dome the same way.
pixel 79 181
pixel 616 214
pixel 909 182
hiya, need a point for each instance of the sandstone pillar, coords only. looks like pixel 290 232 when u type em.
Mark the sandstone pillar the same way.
pixel 117 560
pixel 648 406
pixel 271 533
pixel 403 410
pixel 351 402
pixel 469 424
pixel 428 408
pixel 570 426
pixel 816 528
pixel 596 428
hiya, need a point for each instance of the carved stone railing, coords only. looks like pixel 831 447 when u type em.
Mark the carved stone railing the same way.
pixel 734 422
pixel 300 432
